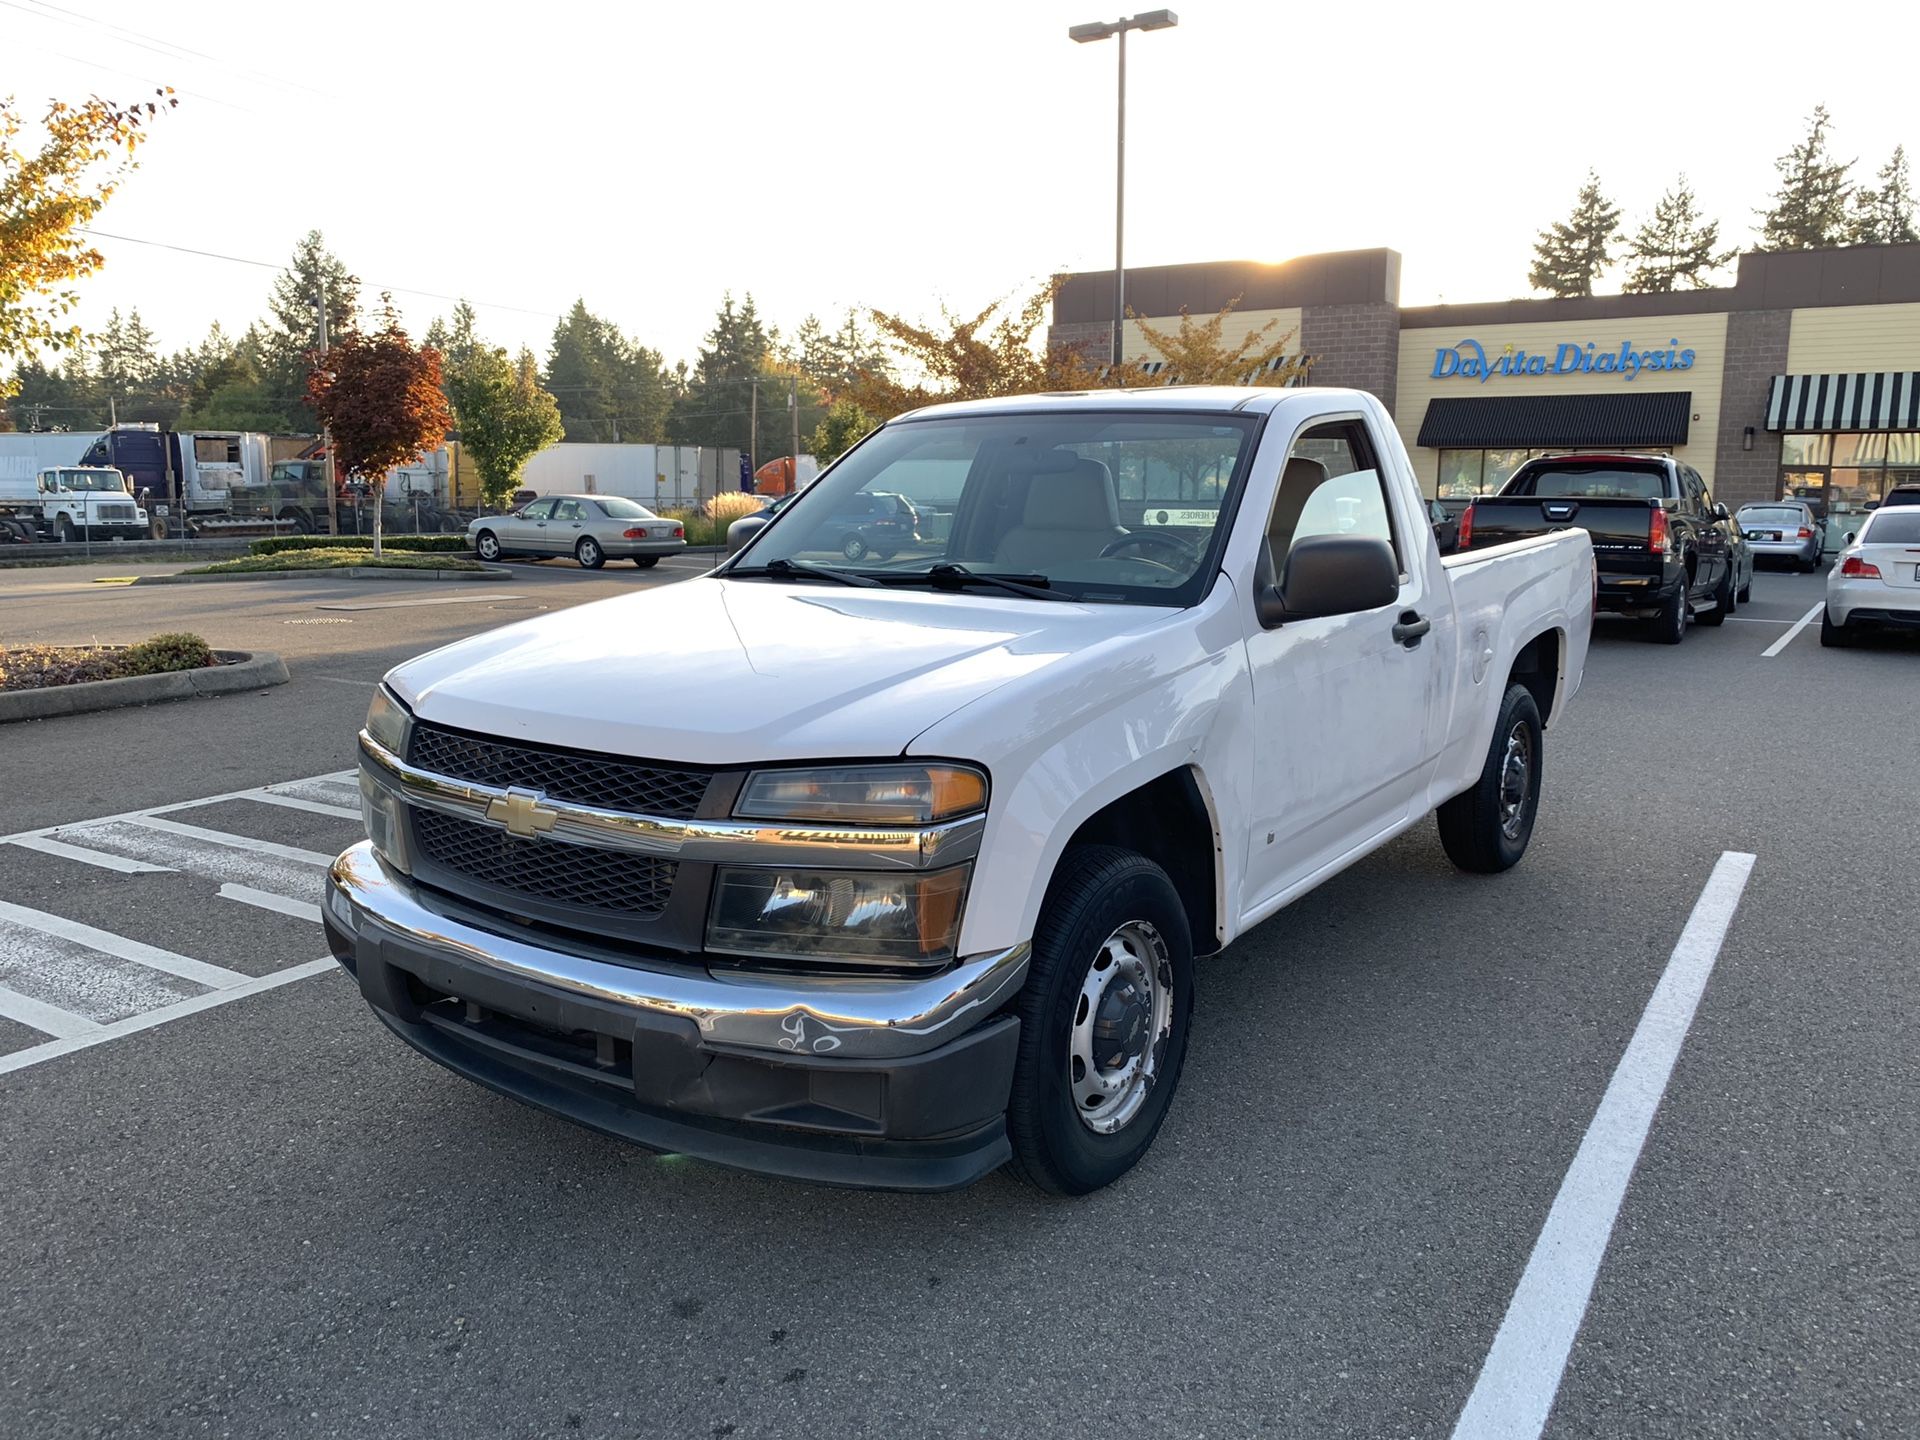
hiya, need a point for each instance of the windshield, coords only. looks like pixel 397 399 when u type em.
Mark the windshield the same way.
pixel 1591 482
pixel 93 480
pixel 1772 515
pixel 1099 507
pixel 621 508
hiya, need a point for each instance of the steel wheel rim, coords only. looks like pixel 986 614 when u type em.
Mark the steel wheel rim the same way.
pixel 1516 779
pixel 1122 1020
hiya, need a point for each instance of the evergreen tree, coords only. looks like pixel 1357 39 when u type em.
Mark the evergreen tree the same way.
pixel 129 361
pixel 1883 214
pixel 1809 210
pixel 456 337
pixel 609 388
pixel 293 330
pixel 1676 249
pixel 717 404
pixel 834 360
pixel 1571 254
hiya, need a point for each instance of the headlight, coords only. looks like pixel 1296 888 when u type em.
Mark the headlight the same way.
pixel 896 917
pixel 864 794
pixel 389 723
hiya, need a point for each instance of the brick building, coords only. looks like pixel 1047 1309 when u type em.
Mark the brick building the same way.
pixel 1803 375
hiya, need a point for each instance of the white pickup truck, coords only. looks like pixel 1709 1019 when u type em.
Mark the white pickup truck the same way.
pixel 886 873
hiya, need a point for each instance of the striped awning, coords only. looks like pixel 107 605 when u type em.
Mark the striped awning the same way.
pixel 1870 400
pixel 1162 371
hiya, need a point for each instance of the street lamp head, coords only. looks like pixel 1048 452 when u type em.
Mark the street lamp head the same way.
pixel 1154 20
pixel 1094 30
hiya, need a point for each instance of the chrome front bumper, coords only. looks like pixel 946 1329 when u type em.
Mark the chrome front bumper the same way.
pixel 855 1017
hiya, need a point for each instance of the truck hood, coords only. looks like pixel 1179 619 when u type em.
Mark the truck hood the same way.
pixel 728 672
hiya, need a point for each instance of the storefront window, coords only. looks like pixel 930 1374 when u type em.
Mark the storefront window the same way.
pixel 1500 466
pixel 1801 450
pixel 1459 474
pixel 1853 451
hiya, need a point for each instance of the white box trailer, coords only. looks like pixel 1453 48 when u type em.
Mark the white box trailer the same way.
pixel 22 457
pixel 661 477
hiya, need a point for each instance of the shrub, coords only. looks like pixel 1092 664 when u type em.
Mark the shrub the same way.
pixel 701 529
pixel 729 505
pixel 335 558
pixel 162 653
pixel 277 544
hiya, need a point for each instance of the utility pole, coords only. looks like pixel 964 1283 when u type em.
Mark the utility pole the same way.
pixel 326 435
pixel 753 430
pixel 793 414
pixel 113 412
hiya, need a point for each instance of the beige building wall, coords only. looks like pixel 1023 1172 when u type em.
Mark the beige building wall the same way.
pixel 1705 335
pixel 1846 339
pixel 1233 330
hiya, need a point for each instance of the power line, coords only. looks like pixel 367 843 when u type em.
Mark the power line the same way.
pixel 270 265
pixel 45 10
pixel 143 79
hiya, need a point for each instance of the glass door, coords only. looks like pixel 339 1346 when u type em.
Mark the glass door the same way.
pixel 1810 484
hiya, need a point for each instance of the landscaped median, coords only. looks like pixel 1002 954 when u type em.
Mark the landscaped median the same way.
pixel 404 557
pixel 38 681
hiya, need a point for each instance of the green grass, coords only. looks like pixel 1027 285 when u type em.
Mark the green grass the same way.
pixel 36 667
pixel 441 544
pixel 333 558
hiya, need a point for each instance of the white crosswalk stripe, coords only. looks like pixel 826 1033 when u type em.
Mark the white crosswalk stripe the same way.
pixel 78 984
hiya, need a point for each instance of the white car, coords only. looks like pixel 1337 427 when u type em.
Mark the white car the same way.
pixel 592 528
pixel 887 871
pixel 1875 581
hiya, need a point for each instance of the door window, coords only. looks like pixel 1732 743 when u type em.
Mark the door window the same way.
pixel 539 510
pixel 1331 486
pixel 566 509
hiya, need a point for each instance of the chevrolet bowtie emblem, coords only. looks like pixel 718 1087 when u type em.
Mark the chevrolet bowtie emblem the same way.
pixel 522 813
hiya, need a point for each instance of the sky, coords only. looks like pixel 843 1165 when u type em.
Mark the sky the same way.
pixel 648 157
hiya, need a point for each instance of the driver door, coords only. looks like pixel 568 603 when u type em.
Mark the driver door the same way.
pixel 1343 733
pixel 527 530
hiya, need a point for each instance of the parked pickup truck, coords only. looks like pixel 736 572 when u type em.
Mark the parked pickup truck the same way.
pixel 1665 549
pixel 886 873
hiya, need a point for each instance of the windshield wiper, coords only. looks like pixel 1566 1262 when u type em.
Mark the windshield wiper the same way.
pixel 796 570
pixel 958 577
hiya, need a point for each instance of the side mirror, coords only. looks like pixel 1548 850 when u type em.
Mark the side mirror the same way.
pixel 1851 537
pixel 1720 511
pixel 1326 575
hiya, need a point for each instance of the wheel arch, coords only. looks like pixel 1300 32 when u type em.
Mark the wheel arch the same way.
pixel 1171 821
pixel 1540 665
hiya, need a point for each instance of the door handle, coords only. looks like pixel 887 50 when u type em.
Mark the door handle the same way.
pixel 1410 627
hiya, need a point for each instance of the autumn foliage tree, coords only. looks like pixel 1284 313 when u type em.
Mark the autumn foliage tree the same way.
pixel 998 352
pixel 49 192
pixel 380 397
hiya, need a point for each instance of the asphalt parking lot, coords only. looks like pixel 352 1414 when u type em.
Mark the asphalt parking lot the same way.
pixel 236 1206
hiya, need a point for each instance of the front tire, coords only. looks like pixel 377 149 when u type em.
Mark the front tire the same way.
pixel 1722 602
pixel 68 532
pixel 1486 829
pixel 1104 1017
pixel 487 545
pixel 853 547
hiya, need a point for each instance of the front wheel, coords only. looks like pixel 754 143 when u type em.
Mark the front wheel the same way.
pixel 853 547
pixel 1104 1018
pixel 68 533
pixel 1486 829
pixel 487 545
pixel 1722 602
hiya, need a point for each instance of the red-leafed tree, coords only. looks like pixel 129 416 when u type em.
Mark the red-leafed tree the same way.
pixel 380 397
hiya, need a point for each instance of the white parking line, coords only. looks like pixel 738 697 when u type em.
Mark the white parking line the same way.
pixel 217 977
pixel 133 1024
pixel 1515 1392
pixel 232 841
pixel 47 846
pixel 48 1019
pixel 1787 639
pixel 267 900
pixel 294 802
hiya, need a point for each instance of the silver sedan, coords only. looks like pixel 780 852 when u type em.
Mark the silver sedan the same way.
pixel 1781 530
pixel 592 528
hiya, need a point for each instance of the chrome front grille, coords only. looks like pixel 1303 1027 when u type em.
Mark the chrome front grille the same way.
pixel 116 512
pixel 609 882
pixel 604 781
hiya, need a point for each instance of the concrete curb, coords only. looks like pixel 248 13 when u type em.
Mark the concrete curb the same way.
pixel 240 670
pixel 351 572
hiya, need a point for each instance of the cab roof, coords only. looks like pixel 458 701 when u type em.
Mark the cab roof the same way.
pixel 1156 399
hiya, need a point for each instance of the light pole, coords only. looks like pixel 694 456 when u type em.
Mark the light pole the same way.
pixel 1101 30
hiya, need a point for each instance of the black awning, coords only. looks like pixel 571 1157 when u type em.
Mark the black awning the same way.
pixel 1496 422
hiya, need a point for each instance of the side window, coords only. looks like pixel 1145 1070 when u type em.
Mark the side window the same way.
pixel 1331 486
pixel 566 509
pixel 539 510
